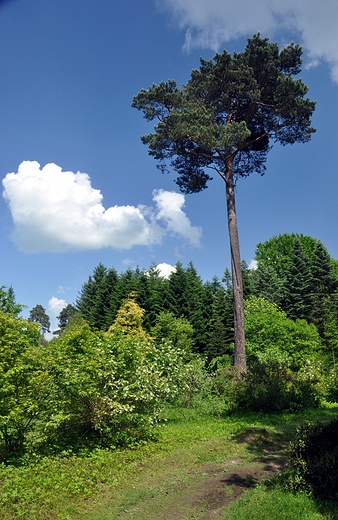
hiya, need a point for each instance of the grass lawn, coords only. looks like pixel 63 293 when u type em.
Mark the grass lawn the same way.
pixel 170 478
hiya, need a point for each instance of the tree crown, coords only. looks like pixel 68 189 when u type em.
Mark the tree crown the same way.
pixel 230 112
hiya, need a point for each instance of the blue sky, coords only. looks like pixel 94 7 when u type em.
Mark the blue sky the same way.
pixel 87 191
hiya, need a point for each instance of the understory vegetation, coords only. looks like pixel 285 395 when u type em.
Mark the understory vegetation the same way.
pixel 141 360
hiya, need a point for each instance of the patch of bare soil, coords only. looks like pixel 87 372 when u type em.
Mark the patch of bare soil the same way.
pixel 224 484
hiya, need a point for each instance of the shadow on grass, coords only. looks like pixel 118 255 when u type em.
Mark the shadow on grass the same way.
pixel 271 445
pixel 278 430
pixel 329 509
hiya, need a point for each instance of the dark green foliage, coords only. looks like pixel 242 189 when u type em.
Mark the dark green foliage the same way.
pixel 247 279
pixel 221 324
pixel 100 297
pixel 8 302
pixel 313 462
pixel 324 287
pixel 196 311
pixel 38 315
pixel 64 317
pixel 271 386
pixel 234 105
pixel 277 251
pixel 297 273
pixel 297 299
pixel 267 284
pixel 158 288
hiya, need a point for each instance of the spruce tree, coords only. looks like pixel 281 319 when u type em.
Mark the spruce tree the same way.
pixel 297 298
pixel 158 295
pixel 177 291
pixel 220 330
pixel 100 297
pixel 267 284
pixel 196 312
pixel 324 288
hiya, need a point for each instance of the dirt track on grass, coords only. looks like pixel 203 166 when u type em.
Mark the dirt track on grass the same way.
pixel 225 483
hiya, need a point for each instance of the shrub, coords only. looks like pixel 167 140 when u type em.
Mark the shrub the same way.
pixel 331 387
pixel 109 388
pixel 313 462
pixel 271 386
pixel 24 384
pixel 178 330
pixel 269 333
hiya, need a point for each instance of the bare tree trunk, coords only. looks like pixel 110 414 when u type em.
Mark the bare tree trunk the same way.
pixel 240 356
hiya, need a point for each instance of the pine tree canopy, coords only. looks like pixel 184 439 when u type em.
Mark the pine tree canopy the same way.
pixel 233 107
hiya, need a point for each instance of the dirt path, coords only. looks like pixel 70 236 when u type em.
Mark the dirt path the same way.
pixel 222 485
pixel 192 490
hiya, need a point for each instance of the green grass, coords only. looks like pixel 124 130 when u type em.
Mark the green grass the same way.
pixel 275 504
pixel 146 481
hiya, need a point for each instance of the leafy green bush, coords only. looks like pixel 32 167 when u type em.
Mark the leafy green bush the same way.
pixel 85 389
pixel 271 386
pixel 24 385
pixel 271 335
pixel 108 388
pixel 313 462
pixel 177 330
pixel 331 387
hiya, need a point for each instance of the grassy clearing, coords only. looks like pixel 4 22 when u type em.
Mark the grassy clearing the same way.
pixel 263 504
pixel 150 481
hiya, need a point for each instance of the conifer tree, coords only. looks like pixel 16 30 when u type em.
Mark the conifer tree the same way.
pixel 177 291
pixel 225 118
pixel 297 298
pixel 158 296
pixel 324 289
pixel 196 312
pixel 8 302
pixel 100 297
pixel 64 318
pixel 129 320
pixel 38 315
pixel 220 331
pixel 267 283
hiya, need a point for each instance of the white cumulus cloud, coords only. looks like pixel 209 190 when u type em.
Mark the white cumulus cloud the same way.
pixel 165 270
pixel 55 306
pixel 169 209
pixel 211 23
pixel 253 265
pixel 55 210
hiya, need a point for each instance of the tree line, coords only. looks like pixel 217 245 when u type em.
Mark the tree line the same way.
pixel 293 271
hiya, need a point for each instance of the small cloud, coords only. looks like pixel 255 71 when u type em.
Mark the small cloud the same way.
pixel 253 265
pixel 62 289
pixel 55 306
pixel 128 261
pixel 169 209
pixel 55 210
pixel 165 270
